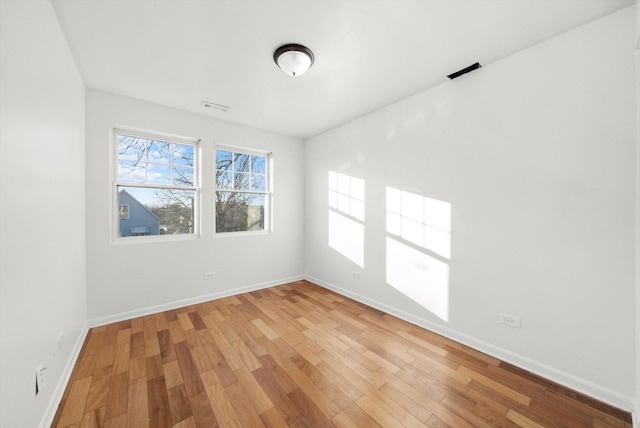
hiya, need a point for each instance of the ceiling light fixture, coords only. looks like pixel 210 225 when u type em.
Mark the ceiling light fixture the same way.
pixel 293 59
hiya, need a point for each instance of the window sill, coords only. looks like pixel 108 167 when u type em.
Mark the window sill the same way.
pixel 241 234
pixel 153 239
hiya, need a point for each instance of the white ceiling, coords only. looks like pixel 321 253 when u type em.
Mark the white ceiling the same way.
pixel 368 53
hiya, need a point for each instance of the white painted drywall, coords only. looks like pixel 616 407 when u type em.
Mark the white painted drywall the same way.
pixel 132 278
pixel 637 25
pixel 536 155
pixel 636 415
pixel 637 213
pixel 42 209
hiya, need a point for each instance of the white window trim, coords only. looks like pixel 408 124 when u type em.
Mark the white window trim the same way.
pixel 268 212
pixel 197 174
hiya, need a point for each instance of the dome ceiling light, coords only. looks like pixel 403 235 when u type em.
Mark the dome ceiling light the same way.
pixel 293 59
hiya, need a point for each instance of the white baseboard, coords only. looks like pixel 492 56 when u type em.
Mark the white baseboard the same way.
pixel 578 384
pixel 122 316
pixel 56 397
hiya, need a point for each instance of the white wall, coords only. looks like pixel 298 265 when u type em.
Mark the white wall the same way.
pixel 637 212
pixel 42 210
pixel 536 155
pixel 637 24
pixel 637 409
pixel 129 279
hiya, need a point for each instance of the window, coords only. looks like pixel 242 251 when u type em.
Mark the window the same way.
pixel 156 184
pixel 242 191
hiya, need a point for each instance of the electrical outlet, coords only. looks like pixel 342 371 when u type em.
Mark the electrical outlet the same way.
pixel 355 275
pixel 209 275
pixel 510 320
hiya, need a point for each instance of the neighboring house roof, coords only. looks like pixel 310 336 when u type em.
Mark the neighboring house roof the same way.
pixel 133 199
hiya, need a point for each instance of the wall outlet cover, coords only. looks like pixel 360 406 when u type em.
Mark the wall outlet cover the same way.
pixel 510 320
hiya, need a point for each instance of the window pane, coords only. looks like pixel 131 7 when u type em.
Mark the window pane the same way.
pixel 158 174
pixel 159 153
pixel 224 179
pixel 175 211
pixel 258 164
pixel 239 211
pixel 224 160
pixel 155 211
pixel 241 181
pixel 183 176
pixel 132 172
pixel 258 182
pixel 182 154
pixel 131 148
pixel 241 162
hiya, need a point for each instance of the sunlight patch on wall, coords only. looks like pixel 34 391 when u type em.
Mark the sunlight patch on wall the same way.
pixel 347 237
pixel 346 216
pixel 423 221
pixel 422 278
pixel 419 248
pixel 346 194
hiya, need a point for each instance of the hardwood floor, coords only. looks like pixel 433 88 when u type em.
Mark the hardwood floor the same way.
pixel 299 355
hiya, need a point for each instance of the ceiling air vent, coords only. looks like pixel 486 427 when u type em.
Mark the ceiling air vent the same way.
pixel 464 71
pixel 214 106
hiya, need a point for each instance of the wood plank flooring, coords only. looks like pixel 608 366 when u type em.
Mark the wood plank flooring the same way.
pixel 299 355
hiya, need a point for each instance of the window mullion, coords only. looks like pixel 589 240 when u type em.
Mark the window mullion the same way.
pixel 154 186
pixel 260 192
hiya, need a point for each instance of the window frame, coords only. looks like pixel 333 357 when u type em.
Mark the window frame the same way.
pixel 268 192
pixel 116 183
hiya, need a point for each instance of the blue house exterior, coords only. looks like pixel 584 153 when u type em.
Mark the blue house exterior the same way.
pixel 135 218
